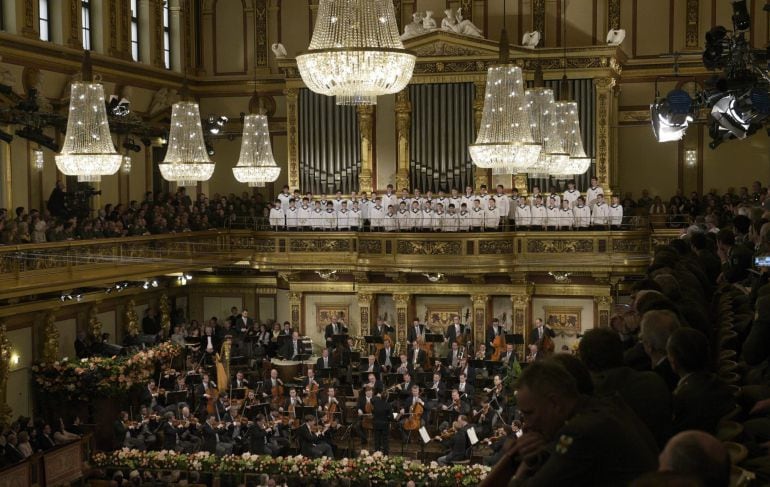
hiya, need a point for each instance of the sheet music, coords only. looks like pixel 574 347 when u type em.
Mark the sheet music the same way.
pixel 472 435
pixel 424 435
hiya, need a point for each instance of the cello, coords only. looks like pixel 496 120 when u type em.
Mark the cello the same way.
pixel 414 420
pixel 499 344
pixel 367 421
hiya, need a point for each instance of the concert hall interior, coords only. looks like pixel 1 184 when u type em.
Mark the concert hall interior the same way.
pixel 395 242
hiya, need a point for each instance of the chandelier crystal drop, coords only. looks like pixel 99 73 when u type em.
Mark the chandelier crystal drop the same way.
pixel 544 123
pixel 504 142
pixel 186 161
pixel 88 151
pixel 569 128
pixel 356 53
pixel 256 164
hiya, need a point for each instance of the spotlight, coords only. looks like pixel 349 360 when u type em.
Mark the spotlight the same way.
pixel 154 283
pixel 740 115
pixel 215 124
pixel 182 280
pixel 118 107
pixel 741 17
pixel 6 137
pixel 130 145
pixel 210 149
pixel 671 116
pixel 146 285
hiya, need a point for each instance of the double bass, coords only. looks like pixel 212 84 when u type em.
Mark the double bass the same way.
pixel 499 344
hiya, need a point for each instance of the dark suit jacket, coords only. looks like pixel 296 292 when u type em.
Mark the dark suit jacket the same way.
pixel 170 436
pixel 386 330
pixel 699 401
pixel 469 390
pixel 405 391
pixel 239 324
pixel 451 333
pixel 666 373
pixel 458 445
pixel 381 357
pixel 440 392
pixel 420 357
pixel 382 413
pixel 12 454
pixel 319 364
pixel 214 341
pixel 533 336
pixel 491 334
pixel 412 335
pixel 329 331
pixel 364 368
pixel 257 438
pixel 288 349
pixel 209 438
pixel 307 440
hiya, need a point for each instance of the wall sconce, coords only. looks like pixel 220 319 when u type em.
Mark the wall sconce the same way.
pixel 37 160
pixel 15 359
pixel 126 167
pixel 691 157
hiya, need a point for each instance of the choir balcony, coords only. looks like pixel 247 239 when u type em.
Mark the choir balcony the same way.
pixel 39 268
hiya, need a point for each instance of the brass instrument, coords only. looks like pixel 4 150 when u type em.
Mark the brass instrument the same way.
pixel 461 353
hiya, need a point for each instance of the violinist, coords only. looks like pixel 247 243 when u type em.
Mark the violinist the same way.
pixel 496 393
pixel 250 405
pixel 237 430
pixel 458 446
pixel 280 429
pixel 240 382
pixel 151 397
pixel 386 357
pixel 499 439
pixel 365 409
pixel 170 432
pixel 325 361
pixel 258 437
pixel 128 433
pixel 190 436
pixel 456 407
pixel 148 426
pixel 311 440
pixel 484 419
pixel 408 407
pixel 215 438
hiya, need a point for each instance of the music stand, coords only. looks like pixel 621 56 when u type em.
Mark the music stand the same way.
pixel 193 379
pixel 434 337
pixel 374 340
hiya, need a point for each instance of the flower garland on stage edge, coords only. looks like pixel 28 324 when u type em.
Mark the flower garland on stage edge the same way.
pixel 104 376
pixel 367 468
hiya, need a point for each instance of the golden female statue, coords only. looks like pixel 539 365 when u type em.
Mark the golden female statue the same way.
pixel 132 320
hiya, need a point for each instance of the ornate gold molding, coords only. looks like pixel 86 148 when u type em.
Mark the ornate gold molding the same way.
pixel 365 311
pixel 613 14
pixel 605 107
pixel 403 131
pixel 402 311
pixel 538 19
pixel 295 309
pixel 50 339
pixel 5 368
pixel 292 136
pixel 131 320
pixel 94 325
pixel 366 117
pixel 692 27
pixel 165 315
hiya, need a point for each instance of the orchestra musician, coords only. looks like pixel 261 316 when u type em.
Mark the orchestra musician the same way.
pixel 215 438
pixel 336 327
pixel 403 364
pixel 455 331
pixel 440 368
pixel 458 447
pixel 493 331
pixel 497 442
pixel 508 355
pixel 311 440
pixel 129 434
pixel 465 388
pixel 482 353
pixel 382 328
pixel 258 437
pixel 251 405
pixel 292 348
pixel 310 388
pixel 453 357
pixel 205 391
pixel 374 383
pixel 386 358
pixel 439 387
pixel 240 382
pixel 291 402
pixel 170 432
pixel 274 388
pixel 365 409
pixel 190 436
pixel 150 397
pixel 496 393
pixel 542 335
pixel 465 368
pixel 456 407
pixel 416 330
pixel 404 389
pixel 330 408
pixel 325 361
pixel 416 357
pixel 533 354
pixel 407 409
pixel 371 367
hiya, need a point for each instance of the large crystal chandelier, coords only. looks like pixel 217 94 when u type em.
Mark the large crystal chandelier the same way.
pixel 356 53
pixel 186 161
pixel 256 165
pixel 88 151
pixel 544 123
pixel 504 143
pixel 569 128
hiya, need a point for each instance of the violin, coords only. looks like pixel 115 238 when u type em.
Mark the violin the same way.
pixel 446 434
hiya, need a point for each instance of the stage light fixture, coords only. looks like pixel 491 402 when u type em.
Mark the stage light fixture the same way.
pixel 741 17
pixel 671 116
pixel 118 107
pixel 131 145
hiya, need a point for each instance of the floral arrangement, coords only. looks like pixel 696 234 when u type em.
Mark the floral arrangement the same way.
pixel 366 468
pixel 106 376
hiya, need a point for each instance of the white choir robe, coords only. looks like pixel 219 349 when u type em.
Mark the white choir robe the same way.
pixel 455 201
pixel 571 196
pixel 553 197
pixel 464 221
pixel 523 216
pixel 531 198
pixel 503 204
pixel 355 218
pixel 450 222
pixel 330 219
pixel 415 219
pixel 317 219
pixel 390 222
pixel 365 205
pixel 539 215
pixel 426 222
pixel 492 218
pixel 304 215
pixel 277 218
pixel 284 199
pixel 292 218
pixel 408 202
pixel 552 216
pixel 565 220
pixel 582 216
pixel 600 215
pixel 390 199
pixel 444 202
pixel 338 203
pixel 616 215
pixel 591 195
pixel 468 200
pixel 437 221
pixel 404 220
pixel 343 219
pixel 377 215
pixel 477 217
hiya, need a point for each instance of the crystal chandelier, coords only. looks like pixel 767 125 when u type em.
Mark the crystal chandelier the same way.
pixel 544 123
pixel 569 128
pixel 356 53
pixel 88 151
pixel 504 143
pixel 186 161
pixel 256 165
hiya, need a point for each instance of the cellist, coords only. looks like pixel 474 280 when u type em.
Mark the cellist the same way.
pixel 310 388
pixel 410 415
pixel 365 409
pixel 206 392
pixel 542 335
pixel 496 339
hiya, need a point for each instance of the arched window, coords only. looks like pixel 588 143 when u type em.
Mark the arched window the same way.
pixel 85 10
pixel 45 24
pixel 166 36
pixel 135 30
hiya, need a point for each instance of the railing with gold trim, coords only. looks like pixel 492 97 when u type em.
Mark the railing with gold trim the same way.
pixel 61 465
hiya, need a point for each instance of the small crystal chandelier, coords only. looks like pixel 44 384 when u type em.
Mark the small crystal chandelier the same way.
pixel 569 128
pixel 356 53
pixel 256 165
pixel 126 167
pixel 38 160
pixel 544 123
pixel 186 161
pixel 88 151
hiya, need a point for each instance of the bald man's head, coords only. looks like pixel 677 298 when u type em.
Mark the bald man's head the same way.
pixel 699 454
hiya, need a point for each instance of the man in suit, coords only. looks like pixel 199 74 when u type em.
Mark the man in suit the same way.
pixel 374 383
pixel 408 404
pixel 170 433
pixel 700 399
pixel 439 386
pixel 292 348
pixel 371 367
pixel 312 444
pixel 364 405
pixel 386 358
pixel 293 401
pixel 12 453
pixel 459 444
pixel 382 416
pixel 204 391
pixel 382 328
pixel 404 389
pixel 465 368
pixel 334 328
pixel 656 327
pixel 243 323
pixel 455 330
pixel 82 347
pixel 453 357
pixel 540 331
pixel 325 361
pixel 509 354
pixel 493 331
pixel 214 440
pixel 234 315
pixel 239 381
pixel 416 330
pixel 465 389
pixel 416 357
pixel 286 330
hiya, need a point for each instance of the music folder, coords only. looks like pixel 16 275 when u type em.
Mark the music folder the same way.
pixel 472 435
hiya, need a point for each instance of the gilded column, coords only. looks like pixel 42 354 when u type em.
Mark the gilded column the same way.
pixel 482 176
pixel 292 130
pixel 295 309
pixel 402 315
pixel 538 19
pixel 131 320
pixel 365 311
pixel 94 325
pixel 519 321
pixel 5 368
pixel 403 129
pixel 71 23
pixel 606 107
pixel 366 114
pixel 479 317
pixel 603 309
pixel 613 14
pixel 692 27
pixel 51 339
pixel 125 29
pixel 156 33
pixel 30 14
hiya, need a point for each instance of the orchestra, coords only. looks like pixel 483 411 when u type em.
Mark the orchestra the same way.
pixel 297 401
